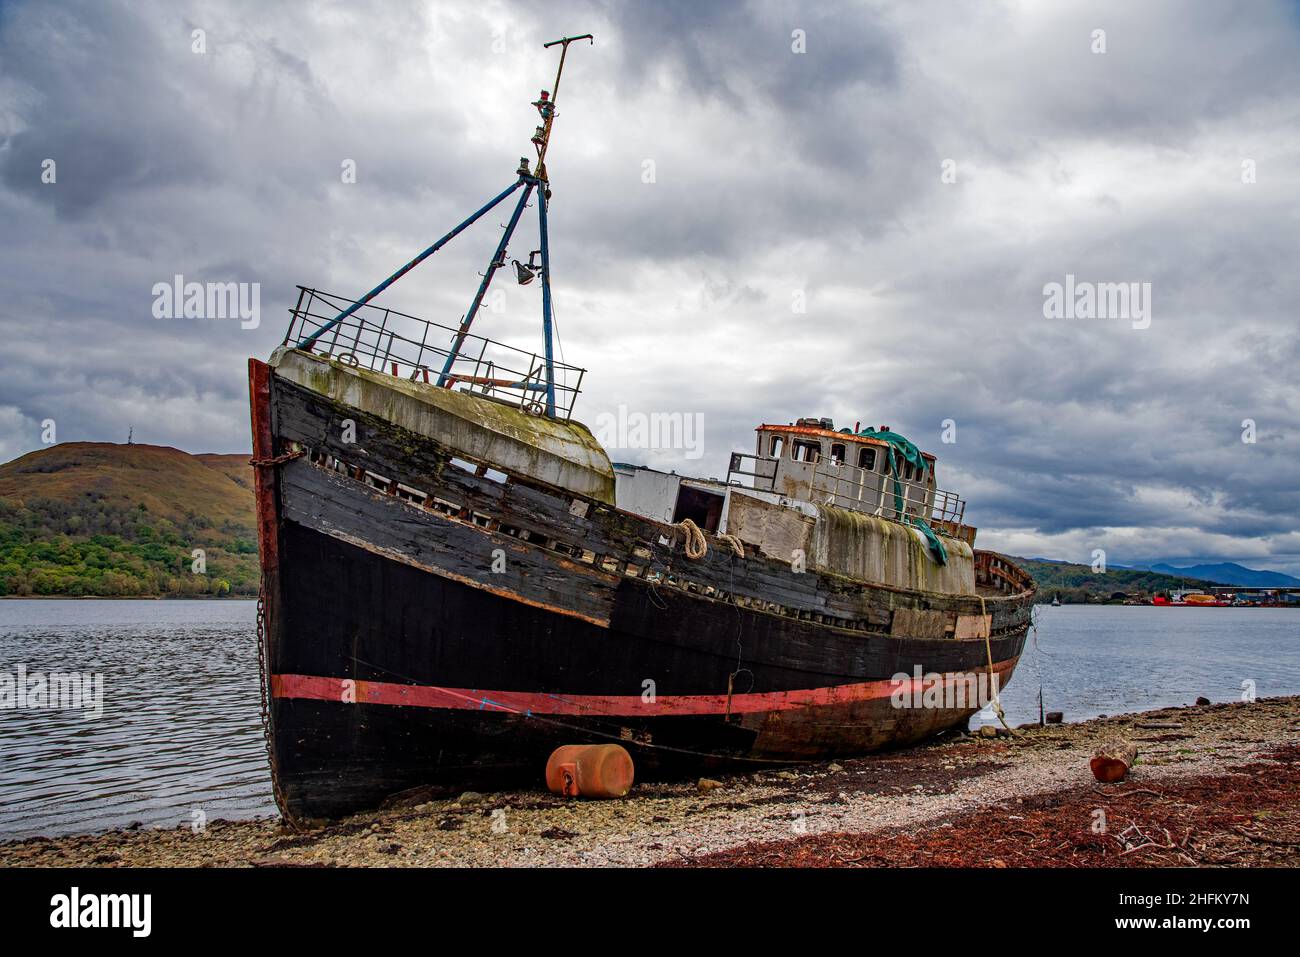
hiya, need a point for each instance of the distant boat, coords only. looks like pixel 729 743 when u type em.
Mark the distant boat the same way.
pixel 1056 602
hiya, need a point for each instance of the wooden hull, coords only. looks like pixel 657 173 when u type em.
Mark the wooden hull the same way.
pixel 454 640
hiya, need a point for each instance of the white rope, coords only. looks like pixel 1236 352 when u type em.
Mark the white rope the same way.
pixel 988 648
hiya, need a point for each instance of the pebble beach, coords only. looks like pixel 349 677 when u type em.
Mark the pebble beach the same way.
pixel 1213 785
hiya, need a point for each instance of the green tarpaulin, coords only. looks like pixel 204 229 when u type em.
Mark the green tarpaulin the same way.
pixel 901 449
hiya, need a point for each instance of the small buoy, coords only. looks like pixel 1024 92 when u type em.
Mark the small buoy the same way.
pixel 590 770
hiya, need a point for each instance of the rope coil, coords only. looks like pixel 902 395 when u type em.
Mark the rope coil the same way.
pixel 697 546
pixel 736 545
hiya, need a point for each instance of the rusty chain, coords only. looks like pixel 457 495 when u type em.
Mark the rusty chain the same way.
pixel 277 460
pixel 265 702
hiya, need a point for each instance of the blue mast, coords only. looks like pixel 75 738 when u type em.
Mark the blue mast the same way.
pixel 541 139
pixel 534 180
pixel 546 304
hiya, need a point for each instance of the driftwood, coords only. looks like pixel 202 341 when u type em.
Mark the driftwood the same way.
pixel 1112 760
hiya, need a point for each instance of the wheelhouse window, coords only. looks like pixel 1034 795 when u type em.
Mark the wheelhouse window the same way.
pixel 776 446
pixel 867 459
pixel 837 454
pixel 908 472
pixel 804 451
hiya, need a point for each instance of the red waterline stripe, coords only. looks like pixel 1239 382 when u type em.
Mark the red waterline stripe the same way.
pixel 316 688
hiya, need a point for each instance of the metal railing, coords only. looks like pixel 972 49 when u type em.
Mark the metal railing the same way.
pixel 859 489
pixel 402 345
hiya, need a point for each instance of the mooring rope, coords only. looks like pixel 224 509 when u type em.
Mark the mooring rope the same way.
pixel 696 546
pixel 988 648
pixel 736 545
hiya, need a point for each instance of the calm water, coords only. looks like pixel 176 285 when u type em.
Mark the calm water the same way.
pixel 180 730
pixel 1109 659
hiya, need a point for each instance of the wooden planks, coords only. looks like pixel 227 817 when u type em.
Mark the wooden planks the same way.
pixel 620 538
pixel 389 526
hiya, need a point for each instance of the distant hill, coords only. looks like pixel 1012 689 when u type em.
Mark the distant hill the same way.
pixel 234 467
pixel 1230 573
pixel 95 518
pixel 1075 584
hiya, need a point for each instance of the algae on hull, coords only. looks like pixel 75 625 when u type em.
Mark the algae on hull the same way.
pixel 560 454
pixel 869 548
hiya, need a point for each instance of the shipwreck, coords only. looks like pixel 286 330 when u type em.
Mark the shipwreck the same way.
pixel 457 580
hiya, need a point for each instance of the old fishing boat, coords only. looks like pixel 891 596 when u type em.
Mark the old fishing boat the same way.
pixel 457 579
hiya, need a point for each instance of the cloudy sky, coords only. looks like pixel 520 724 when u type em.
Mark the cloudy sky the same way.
pixel 913 174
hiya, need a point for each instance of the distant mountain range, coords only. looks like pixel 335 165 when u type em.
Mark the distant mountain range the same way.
pixel 1226 573
pixel 1222 573
pixel 1072 583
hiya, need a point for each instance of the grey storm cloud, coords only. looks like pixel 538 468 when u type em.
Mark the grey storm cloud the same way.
pixel 709 179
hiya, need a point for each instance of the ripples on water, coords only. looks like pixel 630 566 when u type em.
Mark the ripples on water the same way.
pixel 181 729
pixel 1112 659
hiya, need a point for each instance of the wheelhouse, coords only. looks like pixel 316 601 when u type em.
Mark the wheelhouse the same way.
pixel 809 460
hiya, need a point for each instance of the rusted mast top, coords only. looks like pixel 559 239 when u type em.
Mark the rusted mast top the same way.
pixel 548 112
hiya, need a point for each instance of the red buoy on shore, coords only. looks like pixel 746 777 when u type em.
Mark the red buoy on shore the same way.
pixel 590 770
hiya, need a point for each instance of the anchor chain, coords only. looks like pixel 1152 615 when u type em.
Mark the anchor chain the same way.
pixel 264 699
pixel 277 460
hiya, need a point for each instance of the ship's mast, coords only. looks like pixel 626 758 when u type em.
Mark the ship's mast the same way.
pixel 548 110
pixel 536 179
pixel 548 115
pixel 540 181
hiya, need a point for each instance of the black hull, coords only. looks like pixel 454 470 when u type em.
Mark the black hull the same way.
pixel 374 620
pixel 399 657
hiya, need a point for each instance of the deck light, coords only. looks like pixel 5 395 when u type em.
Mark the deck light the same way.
pixel 527 272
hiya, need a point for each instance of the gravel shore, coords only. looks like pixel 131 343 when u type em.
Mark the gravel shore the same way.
pixel 923 799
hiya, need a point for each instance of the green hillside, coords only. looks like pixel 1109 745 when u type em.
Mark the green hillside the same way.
pixel 94 518
pixel 1077 584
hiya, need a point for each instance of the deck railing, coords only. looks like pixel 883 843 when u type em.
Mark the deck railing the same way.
pixel 402 345
pixel 859 489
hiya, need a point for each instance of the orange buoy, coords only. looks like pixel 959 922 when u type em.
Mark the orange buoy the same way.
pixel 590 770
